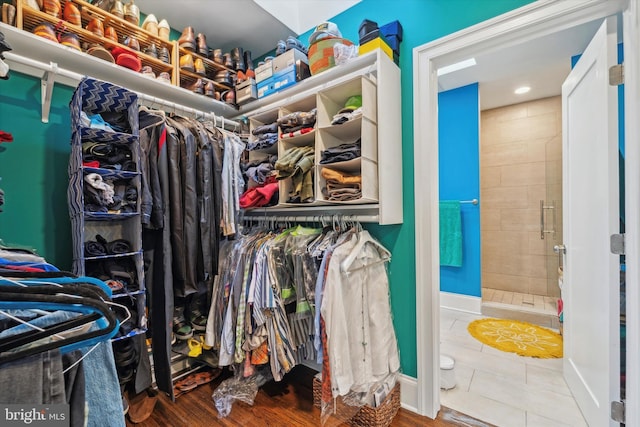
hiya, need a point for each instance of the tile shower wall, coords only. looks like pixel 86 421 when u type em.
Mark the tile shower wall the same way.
pixel 520 164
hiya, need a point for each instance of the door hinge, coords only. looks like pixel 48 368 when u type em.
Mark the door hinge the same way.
pixel 617 244
pixel 616 75
pixel 617 411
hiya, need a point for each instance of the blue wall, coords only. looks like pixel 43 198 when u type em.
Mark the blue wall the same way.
pixel 459 177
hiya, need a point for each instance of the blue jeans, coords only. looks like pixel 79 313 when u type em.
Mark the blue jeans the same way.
pixel 102 390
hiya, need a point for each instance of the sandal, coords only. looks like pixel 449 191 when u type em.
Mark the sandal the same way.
pixel 195 347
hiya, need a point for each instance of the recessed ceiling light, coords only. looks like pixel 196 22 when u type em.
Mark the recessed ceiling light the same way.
pixel 457 66
pixel 521 90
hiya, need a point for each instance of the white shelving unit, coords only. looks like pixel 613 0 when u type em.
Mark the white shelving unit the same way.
pixel 377 79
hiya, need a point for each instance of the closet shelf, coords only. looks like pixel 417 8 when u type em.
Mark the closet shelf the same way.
pixel 89 258
pixel 99 135
pixel 35 55
pixel 110 173
pixel 101 216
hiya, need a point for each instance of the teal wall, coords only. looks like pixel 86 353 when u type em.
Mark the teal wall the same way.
pixel 459 179
pixel 422 21
pixel 34 167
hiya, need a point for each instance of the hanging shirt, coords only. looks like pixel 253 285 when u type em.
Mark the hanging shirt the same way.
pixel 362 347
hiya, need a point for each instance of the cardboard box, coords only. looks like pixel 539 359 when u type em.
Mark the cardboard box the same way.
pixel 246 91
pixel 265 87
pixel 377 43
pixel 283 63
pixel 264 71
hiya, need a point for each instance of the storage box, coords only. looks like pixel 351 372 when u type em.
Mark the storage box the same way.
pixel 285 62
pixel 264 71
pixel 246 91
pixel 285 78
pixel 367 416
pixel 393 28
pixel 376 43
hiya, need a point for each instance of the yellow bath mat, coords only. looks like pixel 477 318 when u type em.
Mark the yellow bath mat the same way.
pixel 525 339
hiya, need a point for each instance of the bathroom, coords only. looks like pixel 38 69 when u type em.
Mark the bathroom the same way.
pixel 509 182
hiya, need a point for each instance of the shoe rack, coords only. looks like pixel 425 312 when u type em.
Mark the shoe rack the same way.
pixel 27 19
pixel 187 79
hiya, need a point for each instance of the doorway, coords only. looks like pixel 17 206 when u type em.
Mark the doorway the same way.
pixel 525 24
pixel 521 208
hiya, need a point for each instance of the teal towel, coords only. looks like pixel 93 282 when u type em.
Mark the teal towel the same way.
pixel 450 234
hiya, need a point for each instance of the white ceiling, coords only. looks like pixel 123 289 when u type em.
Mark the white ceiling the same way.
pixel 542 64
pixel 245 23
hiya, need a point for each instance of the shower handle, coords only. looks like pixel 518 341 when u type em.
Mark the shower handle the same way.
pixel 560 250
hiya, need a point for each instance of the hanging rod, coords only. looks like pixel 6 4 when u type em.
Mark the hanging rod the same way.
pixel 311 218
pixel 472 201
pixel 52 69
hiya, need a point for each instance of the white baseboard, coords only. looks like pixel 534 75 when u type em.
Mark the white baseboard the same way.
pixel 460 302
pixel 408 393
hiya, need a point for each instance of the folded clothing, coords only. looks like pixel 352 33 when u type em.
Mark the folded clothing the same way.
pixel 265 140
pixel 341 186
pixel 297 164
pixel 268 128
pixel 345 116
pixel 296 133
pixel 341 153
pixel 108 156
pixel 265 195
pixel 297 120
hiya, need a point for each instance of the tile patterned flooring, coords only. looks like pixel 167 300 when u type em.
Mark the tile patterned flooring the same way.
pixel 501 388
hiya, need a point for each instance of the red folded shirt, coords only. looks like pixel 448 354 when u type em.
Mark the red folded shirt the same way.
pixel 258 196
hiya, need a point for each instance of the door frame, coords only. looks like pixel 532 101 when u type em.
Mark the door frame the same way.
pixel 518 26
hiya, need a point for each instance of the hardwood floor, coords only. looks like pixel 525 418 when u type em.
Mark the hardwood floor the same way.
pixel 288 403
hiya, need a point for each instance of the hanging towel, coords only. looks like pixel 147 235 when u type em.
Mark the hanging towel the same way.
pixel 450 234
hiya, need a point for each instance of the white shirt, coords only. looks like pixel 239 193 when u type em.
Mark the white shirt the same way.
pixel 357 313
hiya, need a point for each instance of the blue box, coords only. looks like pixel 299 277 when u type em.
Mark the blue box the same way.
pixel 394 43
pixel 393 28
pixel 265 87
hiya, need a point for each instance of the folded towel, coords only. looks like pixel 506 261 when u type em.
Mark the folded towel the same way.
pixel 450 234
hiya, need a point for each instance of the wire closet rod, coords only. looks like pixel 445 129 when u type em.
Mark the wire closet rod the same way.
pixel 152 100
pixel 472 201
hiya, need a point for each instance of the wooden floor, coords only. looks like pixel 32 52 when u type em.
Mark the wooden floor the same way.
pixel 288 403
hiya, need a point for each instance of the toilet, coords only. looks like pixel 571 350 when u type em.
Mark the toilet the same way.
pixel 447 372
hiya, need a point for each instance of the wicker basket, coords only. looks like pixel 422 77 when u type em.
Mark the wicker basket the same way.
pixel 321 54
pixel 367 416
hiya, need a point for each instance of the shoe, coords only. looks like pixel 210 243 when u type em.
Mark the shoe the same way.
pixel 52 7
pixel 281 47
pixel 165 77
pixel 132 13
pixel 164 30
pixel 294 43
pixel 147 71
pixel 247 60
pixel 217 56
pixel 152 51
pixel 196 87
pixel 223 77
pixel 228 60
pixel 8 13
pixel 102 53
pixel 72 14
pixel 118 9
pixel 195 347
pixel 150 24
pixel 71 40
pixel 164 56
pixel 47 31
pixel 210 91
pixel 240 76
pixel 141 405
pixel 110 33
pixel 132 43
pixel 181 329
pixel 187 39
pixel 186 62
pixel 237 55
pixel 96 27
pixel 230 97
pixel 199 67
pixel 201 43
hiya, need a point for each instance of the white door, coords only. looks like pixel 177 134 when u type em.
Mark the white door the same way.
pixel 591 214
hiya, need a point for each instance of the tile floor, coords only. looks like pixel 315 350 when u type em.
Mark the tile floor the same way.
pixel 501 388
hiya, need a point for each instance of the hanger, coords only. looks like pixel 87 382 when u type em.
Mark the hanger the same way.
pixel 364 238
pixel 83 305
